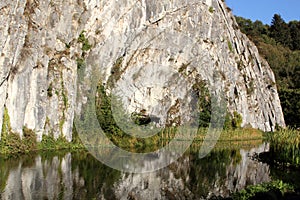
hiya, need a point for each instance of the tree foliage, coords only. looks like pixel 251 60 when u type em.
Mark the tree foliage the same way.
pixel 279 30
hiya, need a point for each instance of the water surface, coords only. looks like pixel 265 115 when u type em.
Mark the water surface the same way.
pixel 65 175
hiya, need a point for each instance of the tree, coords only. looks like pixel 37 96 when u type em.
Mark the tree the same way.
pixel 279 30
pixel 294 27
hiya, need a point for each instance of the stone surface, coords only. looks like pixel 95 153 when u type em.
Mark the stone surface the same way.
pixel 164 47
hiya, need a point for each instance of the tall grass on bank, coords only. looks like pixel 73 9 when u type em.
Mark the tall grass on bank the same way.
pixel 12 144
pixel 285 146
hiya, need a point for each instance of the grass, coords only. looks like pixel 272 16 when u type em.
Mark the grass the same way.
pixel 237 134
pixel 285 147
pixel 229 139
pixel 12 145
pixel 285 137
pixel 50 143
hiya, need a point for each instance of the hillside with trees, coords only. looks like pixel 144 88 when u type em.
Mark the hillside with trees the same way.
pixel 279 44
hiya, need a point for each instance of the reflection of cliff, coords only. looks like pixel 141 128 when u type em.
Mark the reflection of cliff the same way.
pixel 63 176
pixel 248 170
pixel 218 174
pixel 80 176
pixel 167 183
pixel 40 180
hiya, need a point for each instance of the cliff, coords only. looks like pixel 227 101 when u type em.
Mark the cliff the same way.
pixel 153 52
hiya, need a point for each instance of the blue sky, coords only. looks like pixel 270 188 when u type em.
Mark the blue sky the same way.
pixel 264 10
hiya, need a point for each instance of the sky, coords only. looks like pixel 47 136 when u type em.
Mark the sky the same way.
pixel 264 10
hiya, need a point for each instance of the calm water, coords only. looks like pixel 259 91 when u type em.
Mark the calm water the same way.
pixel 64 175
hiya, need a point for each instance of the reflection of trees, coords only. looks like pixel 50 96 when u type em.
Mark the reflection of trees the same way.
pixel 98 178
pixel 4 172
pixel 284 161
pixel 81 176
pixel 211 171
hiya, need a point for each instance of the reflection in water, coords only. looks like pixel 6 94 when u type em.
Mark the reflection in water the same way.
pixel 80 176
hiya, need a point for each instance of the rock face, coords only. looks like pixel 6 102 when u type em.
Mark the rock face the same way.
pixel 151 52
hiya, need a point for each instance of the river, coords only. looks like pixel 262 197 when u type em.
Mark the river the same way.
pixel 78 175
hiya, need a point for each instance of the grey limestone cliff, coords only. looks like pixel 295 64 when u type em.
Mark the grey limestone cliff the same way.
pixel 43 44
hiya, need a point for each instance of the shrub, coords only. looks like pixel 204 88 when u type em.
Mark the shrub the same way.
pixel 233 121
pixel 274 189
pixel 84 41
pixel 237 120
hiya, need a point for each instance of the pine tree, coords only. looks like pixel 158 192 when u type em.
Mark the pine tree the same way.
pixel 294 27
pixel 279 30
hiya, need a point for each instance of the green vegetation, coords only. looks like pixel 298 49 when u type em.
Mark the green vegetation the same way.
pixel 12 144
pixel 68 45
pixel 233 121
pixel 290 101
pixel 279 44
pixel 204 103
pixel 140 118
pixel 50 143
pixel 86 46
pixel 5 124
pixel 271 190
pixel 211 9
pixel 284 147
pixel 63 92
pixel 116 71
pixel 116 134
pixel 230 46
pixel 233 134
pixel 49 90
pixel 80 63
pixel 84 41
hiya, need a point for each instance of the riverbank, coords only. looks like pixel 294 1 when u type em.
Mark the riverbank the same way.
pixel 12 144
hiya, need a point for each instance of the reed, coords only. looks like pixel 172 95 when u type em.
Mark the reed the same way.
pixel 285 146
